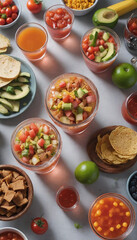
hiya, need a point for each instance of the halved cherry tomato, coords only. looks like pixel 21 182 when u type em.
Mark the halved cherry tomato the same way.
pixel 41 142
pixel 34 6
pixel 39 225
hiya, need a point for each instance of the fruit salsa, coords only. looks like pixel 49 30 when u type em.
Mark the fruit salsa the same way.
pixel 111 216
pixel 10 236
pixel 59 21
pixel 72 99
pixel 99 47
pixel 36 143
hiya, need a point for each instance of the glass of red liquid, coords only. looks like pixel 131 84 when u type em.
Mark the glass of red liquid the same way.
pixel 129 108
pixel 59 20
pixel 130 33
pixel 67 198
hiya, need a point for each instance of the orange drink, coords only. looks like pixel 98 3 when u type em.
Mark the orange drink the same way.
pixel 32 38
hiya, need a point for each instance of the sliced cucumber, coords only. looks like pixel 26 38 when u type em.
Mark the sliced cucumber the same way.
pixel 25 74
pixel 22 80
pixel 18 94
pixel 3 110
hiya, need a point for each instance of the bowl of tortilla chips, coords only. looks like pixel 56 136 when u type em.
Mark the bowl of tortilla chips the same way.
pixel 16 192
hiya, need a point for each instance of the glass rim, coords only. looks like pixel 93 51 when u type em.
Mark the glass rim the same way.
pixel 63 6
pixel 110 31
pixel 127 203
pixel 26 25
pixel 126 104
pixel 90 116
pixel 67 187
pixel 128 22
pixel 25 123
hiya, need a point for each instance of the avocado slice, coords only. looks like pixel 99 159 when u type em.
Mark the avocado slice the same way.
pixel 15 105
pixel 105 36
pixel 3 110
pixel 22 80
pixel 105 17
pixel 111 52
pixel 6 104
pixel 24 74
pixel 18 94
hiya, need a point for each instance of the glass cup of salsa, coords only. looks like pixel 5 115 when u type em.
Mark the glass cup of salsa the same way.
pixel 111 216
pixel 32 39
pixel 67 198
pixel 130 33
pixel 129 108
pixel 11 233
pixel 59 20
pixel 72 102
pixel 95 49
pixel 36 144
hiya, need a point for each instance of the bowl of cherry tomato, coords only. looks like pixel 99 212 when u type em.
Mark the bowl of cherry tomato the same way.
pixel 10 11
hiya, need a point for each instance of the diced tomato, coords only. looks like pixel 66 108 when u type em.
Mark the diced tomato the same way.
pixel 41 142
pixel 90 99
pixel 97 42
pixel 85 115
pixel 100 34
pixel 78 101
pixel 90 49
pixel 111 40
pixel 32 133
pixel 62 84
pixel 66 99
pixel 59 11
pixel 34 127
pixel 101 42
pixel 26 133
pixel 71 99
pixel 49 147
pixel 75 104
pixel 31 150
pixel 85 46
pixel 23 137
pixel 17 148
pixel 68 113
pixel 25 159
pixel 46 129
pixel 105 45
pixel 91 56
pixel 86 39
pixel 96 49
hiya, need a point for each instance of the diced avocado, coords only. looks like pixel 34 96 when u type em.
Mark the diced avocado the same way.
pixel 111 52
pixel 79 117
pixel 81 92
pixel 65 120
pixel 25 152
pixel 66 106
pixel 3 110
pixel 6 104
pixel 105 17
pixel 101 48
pixel 26 145
pixel 85 90
pixel 46 137
pixel 22 80
pixel 15 105
pixel 79 110
pixel 52 136
pixel 24 74
pixel 97 59
pixel 18 94
pixel 88 109
pixel 105 36
pixel 47 142
pixel 95 30
pixel 93 43
pixel 81 105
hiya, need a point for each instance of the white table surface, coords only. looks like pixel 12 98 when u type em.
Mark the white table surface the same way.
pixel 61 58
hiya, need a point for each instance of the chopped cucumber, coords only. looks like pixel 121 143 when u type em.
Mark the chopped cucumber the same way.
pixel 65 120
pixel 79 117
pixel 66 106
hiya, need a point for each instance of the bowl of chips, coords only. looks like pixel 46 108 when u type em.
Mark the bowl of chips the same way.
pixel 16 192
pixel 114 148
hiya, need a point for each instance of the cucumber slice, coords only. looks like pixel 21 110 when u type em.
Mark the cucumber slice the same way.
pixel 18 94
pixel 22 80
pixel 24 74
pixel 3 110
pixel 6 104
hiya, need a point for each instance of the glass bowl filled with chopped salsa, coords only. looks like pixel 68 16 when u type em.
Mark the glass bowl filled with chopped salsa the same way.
pixel 59 20
pixel 129 108
pixel 10 233
pixel 36 144
pixel 72 102
pixel 111 216
pixel 100 47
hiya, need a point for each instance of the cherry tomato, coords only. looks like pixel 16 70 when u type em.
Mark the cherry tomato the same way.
pixel 14 9
pixel 9 20
pixel 8 11
pixel 3 11
pixel 5 3
pixel 34 6
pixel 2 21
pixel 14 16
pixel 39 225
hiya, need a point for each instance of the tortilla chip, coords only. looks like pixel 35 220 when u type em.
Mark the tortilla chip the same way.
pixel 10 67
pixel 4 41
pixel 4 82
pixel 9 195
pixel 2 50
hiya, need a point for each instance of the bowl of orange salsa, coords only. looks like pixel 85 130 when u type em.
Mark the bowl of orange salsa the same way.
pixel 111 216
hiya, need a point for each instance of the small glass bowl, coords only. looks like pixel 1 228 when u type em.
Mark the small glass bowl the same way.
pixel 128 183
pixel 63 188
pixel 126 202
pixel 13 230
pixel 73 128
pixel 99 67
pixel 125 111
pixel 59 33
pixel 32 55
pixel 48 166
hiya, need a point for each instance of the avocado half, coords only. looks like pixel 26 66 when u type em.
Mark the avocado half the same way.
pixel 105 17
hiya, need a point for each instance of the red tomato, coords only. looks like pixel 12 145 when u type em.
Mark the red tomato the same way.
pixel 96 49
pixel 34 6
pixel 59 11
pixel 9 20
pixel 14 16
pixel 91 56
pixel 2 21
pixel 32 133
pixel 5 3
pixel 49 147
pixel 90 49
pixel 101 42
pixel 39 225
pixel 17 148
pixel 8 11
pixel 26 133
pixel 25 159
pixel 23 137
pixel 31 150
pixel 66 99
pixel 14 9
pixel 85 46
pixel 34 127
pixel 46 129
pixel 3 11
pixel 62 84
pixel 41 142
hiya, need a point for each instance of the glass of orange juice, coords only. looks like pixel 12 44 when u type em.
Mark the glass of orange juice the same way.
pixel 32 39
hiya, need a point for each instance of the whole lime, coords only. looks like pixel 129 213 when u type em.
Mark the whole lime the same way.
pixel 87 172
